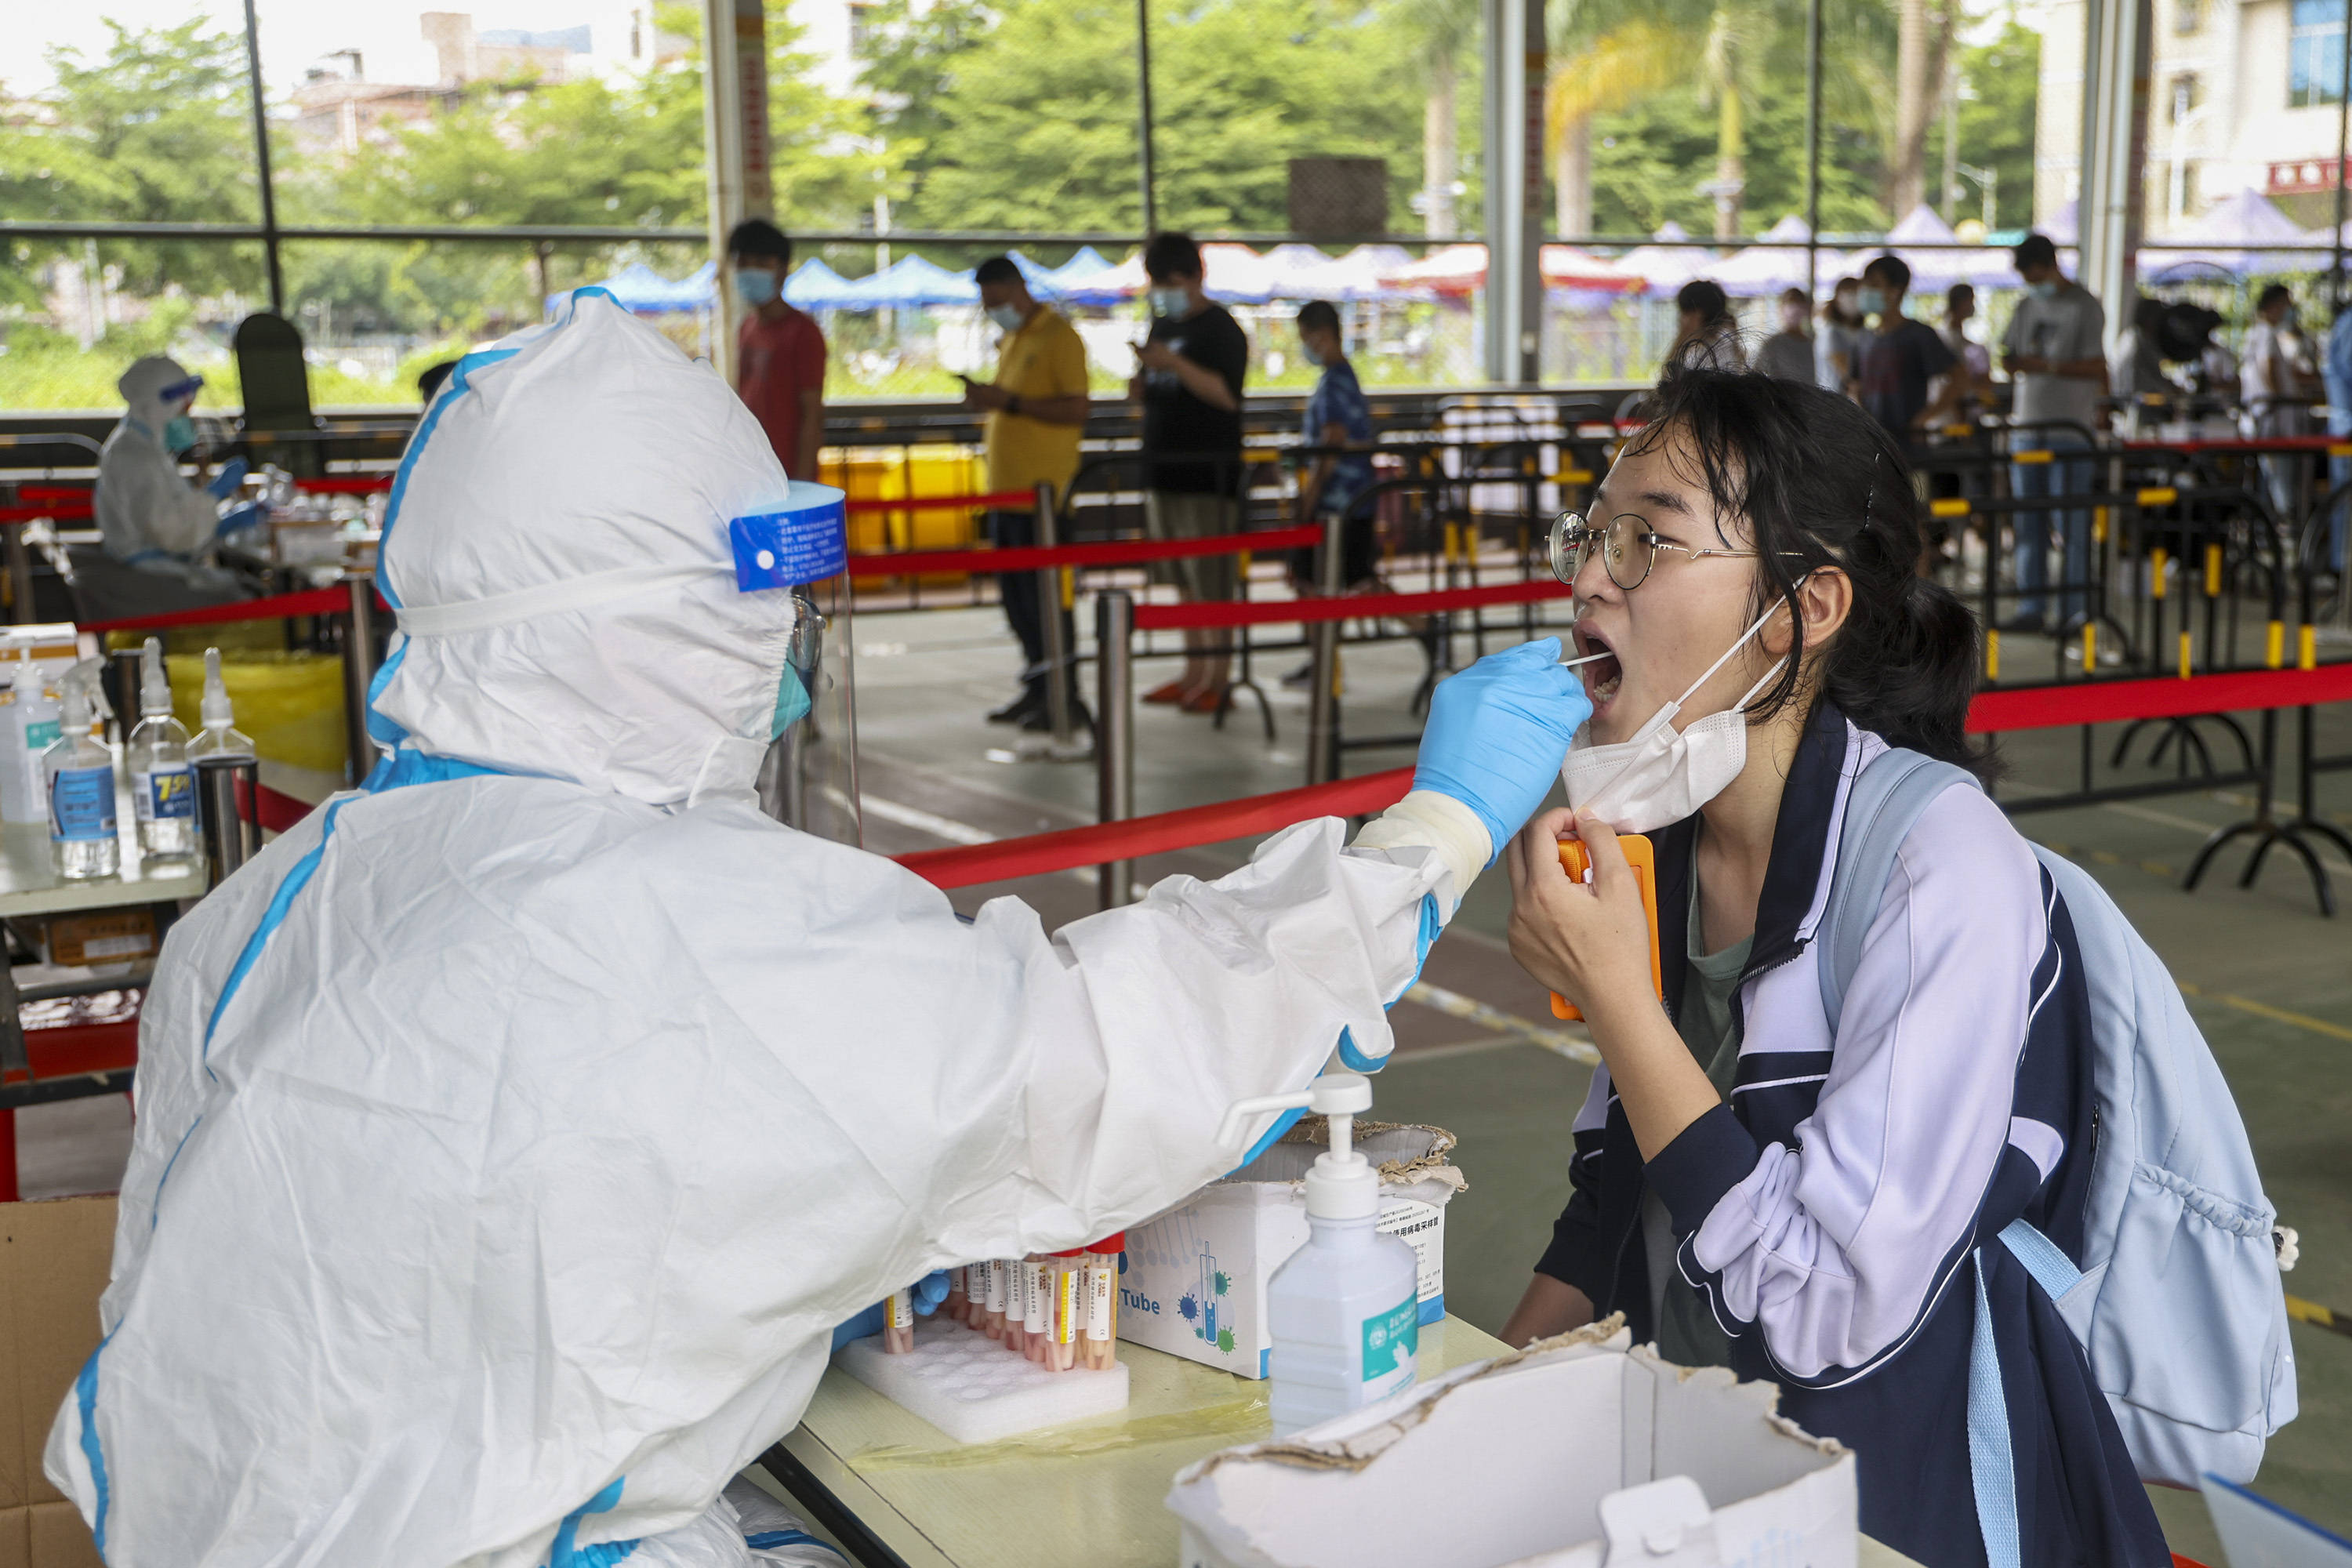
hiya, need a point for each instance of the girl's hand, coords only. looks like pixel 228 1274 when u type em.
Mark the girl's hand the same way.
pixel 1590 942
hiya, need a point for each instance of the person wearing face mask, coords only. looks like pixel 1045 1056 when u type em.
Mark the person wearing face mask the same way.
pixel 1035 408
pixel 1788 352
pixel 1837 347
pixel 1751 1188
pixel 518 1127
pixel 149 517
pixel 778 349
pixel 1901 372
pixel 1188 377
pixel 2055 354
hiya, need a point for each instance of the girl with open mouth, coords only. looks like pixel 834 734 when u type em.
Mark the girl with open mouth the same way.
pixel 1755 1187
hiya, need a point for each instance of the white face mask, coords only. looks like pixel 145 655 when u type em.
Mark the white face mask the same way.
pixel 1005 316
pixel 1662 774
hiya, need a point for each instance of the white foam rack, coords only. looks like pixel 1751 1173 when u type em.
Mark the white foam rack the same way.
pixel 973 1389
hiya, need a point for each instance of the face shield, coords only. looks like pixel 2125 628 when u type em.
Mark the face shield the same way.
pixel 808 780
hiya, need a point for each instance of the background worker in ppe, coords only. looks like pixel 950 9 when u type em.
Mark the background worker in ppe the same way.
pixel 513 1134
pixel 148 516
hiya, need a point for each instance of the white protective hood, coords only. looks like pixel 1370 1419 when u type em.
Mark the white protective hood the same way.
pixel 509 1146
pixel 563 511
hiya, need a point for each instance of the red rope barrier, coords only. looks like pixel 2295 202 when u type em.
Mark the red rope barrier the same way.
pixel 1009 500
pixel 317 602
pixel 345 484
pixel 1252 818
pixel 54 492
pixel 1281 612
pixel 2163 697
pixel 1110 552
pixel 57 513
pixel 276 810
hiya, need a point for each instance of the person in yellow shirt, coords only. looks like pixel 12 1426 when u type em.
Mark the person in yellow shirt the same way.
pixel 1036 408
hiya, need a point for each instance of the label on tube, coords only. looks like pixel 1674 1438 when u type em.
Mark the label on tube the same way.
pixel 1038 1310
pixel 902 1310
pixel 1101 1281
pixel 995 1296
pixel 1066 1308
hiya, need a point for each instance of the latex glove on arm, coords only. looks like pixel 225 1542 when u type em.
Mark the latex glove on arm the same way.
pixel 232 475
pixel 1496 733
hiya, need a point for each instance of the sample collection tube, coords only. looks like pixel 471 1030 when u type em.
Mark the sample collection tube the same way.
pixel 899 1323
pixel 992 1321
pixel 954 1308
pixel 1097 1343
pixel 1037 1307
pixel 1016 1305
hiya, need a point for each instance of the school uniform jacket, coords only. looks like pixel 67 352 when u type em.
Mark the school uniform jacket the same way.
pixel 1836 1214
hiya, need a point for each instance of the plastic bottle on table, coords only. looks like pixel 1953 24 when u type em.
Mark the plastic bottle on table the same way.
pixel 32 729
pixel 79 776
pixel 1098 1337
pixel 162 783
pixel 1344 1312
pixel 220 736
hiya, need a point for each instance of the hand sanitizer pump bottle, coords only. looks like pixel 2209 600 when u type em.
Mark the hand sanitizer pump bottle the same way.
pixel 1344 1312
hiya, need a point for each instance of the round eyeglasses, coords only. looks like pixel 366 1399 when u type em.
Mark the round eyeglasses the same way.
pixel 1628 548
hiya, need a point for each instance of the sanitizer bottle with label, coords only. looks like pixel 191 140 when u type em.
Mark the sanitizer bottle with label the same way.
pixel 162 784
pixel 1344 1312
pixel 81 774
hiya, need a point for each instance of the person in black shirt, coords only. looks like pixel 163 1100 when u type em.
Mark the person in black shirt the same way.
pixel 1188 377
pixel 1903 358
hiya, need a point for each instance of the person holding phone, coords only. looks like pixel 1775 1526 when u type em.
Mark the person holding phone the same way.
pixel 1188 377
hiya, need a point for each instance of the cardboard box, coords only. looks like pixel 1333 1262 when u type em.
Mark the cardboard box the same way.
pixel 1570 1454
pixel 102 936
pixel 1196 1277
pixel 53 1259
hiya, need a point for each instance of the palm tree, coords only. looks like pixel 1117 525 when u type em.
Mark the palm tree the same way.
pixel 1442 29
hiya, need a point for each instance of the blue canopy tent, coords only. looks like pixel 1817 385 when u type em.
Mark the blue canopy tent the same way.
pixel 911 283
pixel 1070 281
pixel 639 289
pixel 814 285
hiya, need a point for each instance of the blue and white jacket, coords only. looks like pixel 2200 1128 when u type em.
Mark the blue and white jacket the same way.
pixel 1828 1214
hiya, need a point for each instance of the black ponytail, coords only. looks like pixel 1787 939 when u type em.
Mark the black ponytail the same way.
pixel 1820 483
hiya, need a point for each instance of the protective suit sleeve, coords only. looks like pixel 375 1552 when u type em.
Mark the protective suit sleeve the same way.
pixel 142 503
pixel 1426 819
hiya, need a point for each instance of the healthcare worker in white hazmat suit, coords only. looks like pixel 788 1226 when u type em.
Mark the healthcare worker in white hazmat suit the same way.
pixel 147 514
pixel 513 1134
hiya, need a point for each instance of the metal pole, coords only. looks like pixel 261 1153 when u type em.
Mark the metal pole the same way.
pixel 20 574
pixel 226 813
pixel 261 164
pixel 358 674
pixel 2343 151
pixel 1323 642
pixel 1812 145
pixel 1143 113
pixel 1114 733
pixel 1049 601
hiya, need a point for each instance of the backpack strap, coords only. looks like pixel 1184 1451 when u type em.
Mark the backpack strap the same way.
pixel 1881 807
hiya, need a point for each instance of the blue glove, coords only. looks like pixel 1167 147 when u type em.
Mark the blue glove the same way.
pixel 232 475
pixel 928 1293
pixel 1497 732
pixel 252 514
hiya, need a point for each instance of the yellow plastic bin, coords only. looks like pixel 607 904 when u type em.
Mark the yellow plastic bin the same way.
pixel 291 703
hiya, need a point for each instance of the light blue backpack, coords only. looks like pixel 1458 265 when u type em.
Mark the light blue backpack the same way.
pixel 2179 1303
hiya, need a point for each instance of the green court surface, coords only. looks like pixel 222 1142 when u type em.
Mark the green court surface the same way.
pixel 2267 978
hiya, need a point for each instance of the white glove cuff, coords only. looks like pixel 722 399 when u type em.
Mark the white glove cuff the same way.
pixel 1426 819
